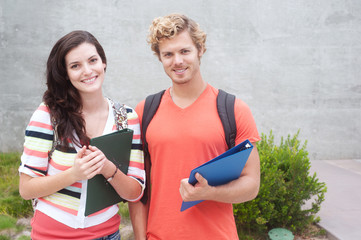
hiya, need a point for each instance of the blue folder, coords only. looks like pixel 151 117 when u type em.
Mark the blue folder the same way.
pixel 222 169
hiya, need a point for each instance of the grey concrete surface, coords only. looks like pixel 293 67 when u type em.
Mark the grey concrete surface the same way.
pixel 295 63
pixel 341 211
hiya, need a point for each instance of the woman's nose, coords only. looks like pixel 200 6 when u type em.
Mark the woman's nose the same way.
pixel 87 69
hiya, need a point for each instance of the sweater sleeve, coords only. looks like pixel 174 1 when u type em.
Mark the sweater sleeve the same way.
pixel 38 142
pixel 136 163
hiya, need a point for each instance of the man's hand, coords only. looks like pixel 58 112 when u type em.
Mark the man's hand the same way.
pixel 200 191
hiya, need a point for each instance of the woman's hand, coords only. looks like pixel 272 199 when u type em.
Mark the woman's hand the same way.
pixel 88 163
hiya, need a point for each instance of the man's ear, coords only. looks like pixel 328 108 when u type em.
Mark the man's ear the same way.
pixel 200 52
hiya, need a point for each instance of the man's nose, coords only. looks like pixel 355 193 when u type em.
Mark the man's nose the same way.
pixel 178 59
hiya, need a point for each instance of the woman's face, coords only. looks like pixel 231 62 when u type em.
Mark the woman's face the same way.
pixel 85 68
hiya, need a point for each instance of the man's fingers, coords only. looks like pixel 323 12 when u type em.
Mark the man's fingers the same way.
pixel 201 180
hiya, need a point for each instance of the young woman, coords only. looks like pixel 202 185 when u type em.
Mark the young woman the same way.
pixel 73 111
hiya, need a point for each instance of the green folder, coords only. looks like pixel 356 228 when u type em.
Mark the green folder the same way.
pixel 116 146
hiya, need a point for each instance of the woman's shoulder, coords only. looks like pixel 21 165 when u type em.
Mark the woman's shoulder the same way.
pixel 42 111
pixel 43 107
pixel 131 114
pixel 41 118
pixel 128 108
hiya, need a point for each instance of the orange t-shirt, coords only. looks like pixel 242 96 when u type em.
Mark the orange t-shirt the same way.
pixel 178 141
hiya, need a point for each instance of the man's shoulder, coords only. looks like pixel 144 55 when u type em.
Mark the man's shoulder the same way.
pixel 151 99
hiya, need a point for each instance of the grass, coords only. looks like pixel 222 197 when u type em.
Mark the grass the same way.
pixel 12 206
pixel 10 201
pixel 7 222
pixel 11 229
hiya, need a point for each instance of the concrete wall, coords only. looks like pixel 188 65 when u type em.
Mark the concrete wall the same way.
pixel 296 63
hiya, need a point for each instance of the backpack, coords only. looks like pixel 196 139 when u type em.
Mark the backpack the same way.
pixel 225 108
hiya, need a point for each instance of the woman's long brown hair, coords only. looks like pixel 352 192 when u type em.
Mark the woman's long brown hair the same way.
pixel 62 98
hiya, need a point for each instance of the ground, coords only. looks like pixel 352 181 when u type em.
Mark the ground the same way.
pixel 313 233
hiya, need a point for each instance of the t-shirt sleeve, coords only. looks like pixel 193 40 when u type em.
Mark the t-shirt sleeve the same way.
pixel 246 125
pixel 38 142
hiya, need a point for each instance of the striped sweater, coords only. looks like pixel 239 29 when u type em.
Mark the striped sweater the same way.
pixel 67 205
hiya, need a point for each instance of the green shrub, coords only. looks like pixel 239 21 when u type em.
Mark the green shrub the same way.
pixel 286 185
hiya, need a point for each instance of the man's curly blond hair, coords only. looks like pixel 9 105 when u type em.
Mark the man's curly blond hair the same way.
pixel 168 27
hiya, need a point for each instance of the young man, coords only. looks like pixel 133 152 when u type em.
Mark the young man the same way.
pixel 185 132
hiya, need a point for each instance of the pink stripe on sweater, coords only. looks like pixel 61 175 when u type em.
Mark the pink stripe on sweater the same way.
pixel 40 124
pixel 35 153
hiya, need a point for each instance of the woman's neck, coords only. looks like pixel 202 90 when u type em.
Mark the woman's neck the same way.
pixel 94 103
pixel 95 113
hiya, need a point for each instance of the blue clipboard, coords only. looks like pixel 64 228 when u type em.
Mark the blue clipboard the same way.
pixel 220 170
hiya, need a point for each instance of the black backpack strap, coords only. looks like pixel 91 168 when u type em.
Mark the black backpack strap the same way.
pixel 225 107
pixel 150 108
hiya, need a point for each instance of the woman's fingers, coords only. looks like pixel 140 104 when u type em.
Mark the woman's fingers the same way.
pixel 88 163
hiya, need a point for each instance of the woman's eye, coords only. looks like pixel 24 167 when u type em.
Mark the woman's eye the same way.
pixel 74 66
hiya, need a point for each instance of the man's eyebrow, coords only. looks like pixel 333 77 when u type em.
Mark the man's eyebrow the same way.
pixel 165 52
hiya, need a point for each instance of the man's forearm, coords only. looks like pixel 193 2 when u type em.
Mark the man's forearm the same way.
pixel 243 189
pixel 139 216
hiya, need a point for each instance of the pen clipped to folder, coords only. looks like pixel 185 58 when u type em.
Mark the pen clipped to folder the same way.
pixel 222 169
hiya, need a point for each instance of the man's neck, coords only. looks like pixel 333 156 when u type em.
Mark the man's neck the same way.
pixel 183 95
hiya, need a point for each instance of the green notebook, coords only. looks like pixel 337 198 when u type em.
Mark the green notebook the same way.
pixel 116 146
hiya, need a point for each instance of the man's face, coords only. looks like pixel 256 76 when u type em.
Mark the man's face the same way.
pixel 180 58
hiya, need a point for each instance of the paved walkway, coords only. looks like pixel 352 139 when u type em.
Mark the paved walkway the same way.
pixel 341 211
